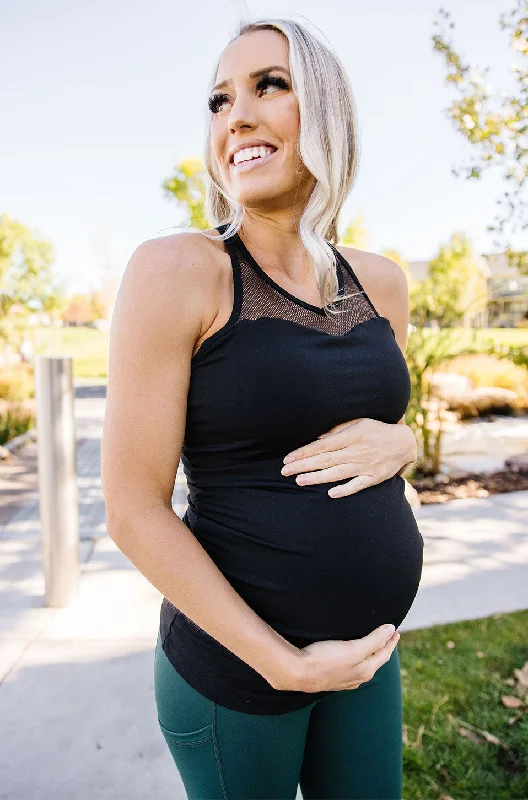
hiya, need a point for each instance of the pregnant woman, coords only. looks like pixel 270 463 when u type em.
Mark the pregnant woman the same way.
pixel 233 348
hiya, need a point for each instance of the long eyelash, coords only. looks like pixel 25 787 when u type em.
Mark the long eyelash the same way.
pixel 272 79
pixel 216 100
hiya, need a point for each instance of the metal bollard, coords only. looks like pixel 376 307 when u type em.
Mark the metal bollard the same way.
pixel 57 471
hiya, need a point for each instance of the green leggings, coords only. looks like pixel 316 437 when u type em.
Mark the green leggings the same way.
pixel 345 746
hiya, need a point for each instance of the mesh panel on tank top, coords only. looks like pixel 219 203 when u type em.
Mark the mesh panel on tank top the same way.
pixel 262 297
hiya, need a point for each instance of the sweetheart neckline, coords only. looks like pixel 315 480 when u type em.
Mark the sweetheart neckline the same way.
pixel 217 335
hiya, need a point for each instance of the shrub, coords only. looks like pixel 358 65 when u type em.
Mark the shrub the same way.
pixel 15 419
pixel 17 383
pixel 484 369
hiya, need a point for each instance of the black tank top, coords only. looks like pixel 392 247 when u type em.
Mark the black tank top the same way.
pixel 280 372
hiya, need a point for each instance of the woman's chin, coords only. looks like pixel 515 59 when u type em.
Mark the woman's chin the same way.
pixel 256 195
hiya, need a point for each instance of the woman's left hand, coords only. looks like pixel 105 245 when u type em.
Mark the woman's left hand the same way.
pixel 366 450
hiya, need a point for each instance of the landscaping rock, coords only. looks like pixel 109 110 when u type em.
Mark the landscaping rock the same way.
pixel 486 397
pixel 517 463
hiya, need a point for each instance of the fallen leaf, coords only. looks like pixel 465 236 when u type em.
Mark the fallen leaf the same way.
pixel 472 737
pixel 522 676
pixel 445 797
pixel 450 644
pixel 488 736
pixel 480 654
pixel 511 702
pixel 509 682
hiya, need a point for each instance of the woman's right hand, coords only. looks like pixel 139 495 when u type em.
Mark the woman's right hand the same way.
pixel 335 664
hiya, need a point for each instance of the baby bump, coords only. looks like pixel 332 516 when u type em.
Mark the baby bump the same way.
pixel 312 566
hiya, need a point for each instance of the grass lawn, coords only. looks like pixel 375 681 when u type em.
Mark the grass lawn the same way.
pixel 89 346
pixel 459 740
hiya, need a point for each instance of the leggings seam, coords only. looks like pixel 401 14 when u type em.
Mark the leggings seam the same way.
pixel 217 753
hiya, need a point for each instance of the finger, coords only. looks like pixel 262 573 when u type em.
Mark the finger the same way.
pixel 323 460
pixel 373 641
pixel 320 445
pixel 372 663
pixel 355 685
pixel 338 472
pixel 351 487
pixel 340 427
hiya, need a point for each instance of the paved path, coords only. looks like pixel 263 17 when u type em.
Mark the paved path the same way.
pixel 77 683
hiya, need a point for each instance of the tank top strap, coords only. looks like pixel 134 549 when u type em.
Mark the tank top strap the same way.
pixel 258 296
pixel 238 291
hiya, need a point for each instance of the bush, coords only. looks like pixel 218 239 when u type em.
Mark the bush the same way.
pixel 15 419
pixel 17 383
pixel 488 370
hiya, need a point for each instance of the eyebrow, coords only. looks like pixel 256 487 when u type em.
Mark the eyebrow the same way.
pixel 251 75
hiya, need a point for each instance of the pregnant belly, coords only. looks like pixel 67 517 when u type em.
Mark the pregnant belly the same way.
pixel 311 566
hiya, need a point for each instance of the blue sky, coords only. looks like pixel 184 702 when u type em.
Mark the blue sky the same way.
pixel 102 99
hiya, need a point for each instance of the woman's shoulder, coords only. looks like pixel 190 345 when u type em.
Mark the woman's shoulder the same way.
pixel 382 278
pixel 385 282
pixel 183 250
pixel 184 262
pixel 180 278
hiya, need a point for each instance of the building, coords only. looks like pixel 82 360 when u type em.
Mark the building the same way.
pixel 507 292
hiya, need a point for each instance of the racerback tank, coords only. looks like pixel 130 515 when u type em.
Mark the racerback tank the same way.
pixel 279 373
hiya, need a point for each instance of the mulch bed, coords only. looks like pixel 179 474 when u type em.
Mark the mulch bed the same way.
pixel 442 488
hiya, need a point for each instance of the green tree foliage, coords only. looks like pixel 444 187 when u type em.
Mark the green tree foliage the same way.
pixel 186 186
pixel 455 288
pixel 25 268
pixel 495 124
pixel 355 234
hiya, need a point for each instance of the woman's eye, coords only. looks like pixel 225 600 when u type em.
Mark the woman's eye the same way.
pixel 268 80
pixel 216 101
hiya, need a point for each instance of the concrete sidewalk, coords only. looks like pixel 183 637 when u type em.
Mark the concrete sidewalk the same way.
pixel 77 701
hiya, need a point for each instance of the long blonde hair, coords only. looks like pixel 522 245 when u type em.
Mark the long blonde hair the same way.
pixel 328 145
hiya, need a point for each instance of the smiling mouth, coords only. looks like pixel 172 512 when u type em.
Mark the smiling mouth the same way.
pixel 244 166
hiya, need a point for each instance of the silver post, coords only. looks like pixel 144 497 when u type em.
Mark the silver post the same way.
pixel 59 509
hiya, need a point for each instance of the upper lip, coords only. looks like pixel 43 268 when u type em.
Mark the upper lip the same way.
pixel 249 143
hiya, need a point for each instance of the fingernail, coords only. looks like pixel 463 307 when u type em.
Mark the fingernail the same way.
pixel 288 459
pixel 389 628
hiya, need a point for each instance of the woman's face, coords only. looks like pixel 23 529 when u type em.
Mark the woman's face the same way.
pixel 249 106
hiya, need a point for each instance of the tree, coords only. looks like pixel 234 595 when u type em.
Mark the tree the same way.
pixel 455 288
pixel 187 187
pixel 355 234
pixel 25 268
pixel 496 125
pixel 80 309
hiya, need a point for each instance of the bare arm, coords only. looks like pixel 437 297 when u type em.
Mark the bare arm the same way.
pixel 156 322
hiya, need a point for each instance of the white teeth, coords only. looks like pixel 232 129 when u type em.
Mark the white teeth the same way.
pixel 251 152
